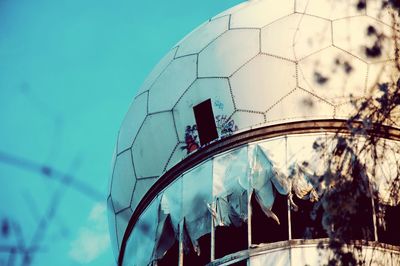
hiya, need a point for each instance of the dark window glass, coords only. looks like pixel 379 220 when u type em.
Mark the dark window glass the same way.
pixel 266 229
pixel 350 213
pixel 363 224
pixel 388 224
pixel 205 122
pixel 230 239
pixel 171 257
pixel 306 222
pixel 192 258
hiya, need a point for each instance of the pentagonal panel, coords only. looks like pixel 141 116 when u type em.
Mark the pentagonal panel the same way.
pixel 216 89
pixel 171 84
pixel 330 9
pixel 133 120
pixel 122 220
pixel 333 75
pixel 260 13
pixel 157 70
pixel 199 39
pixel 302 35
pixel 386 14
pixel 299 105
pixel 123 181
pixel 227 53
pixel 154 144
pixel 246 119
pixel 112 228
pixel 262 82
pixel 142 186
pixel 365 38
pixel 380 73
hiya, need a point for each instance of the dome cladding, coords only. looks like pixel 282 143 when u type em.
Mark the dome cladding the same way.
pixel 260 63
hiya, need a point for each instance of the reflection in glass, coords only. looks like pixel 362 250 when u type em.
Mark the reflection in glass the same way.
pixel 141 243
pixel 208 207
pixel 197 195
pixel 229 207
pixel 166 251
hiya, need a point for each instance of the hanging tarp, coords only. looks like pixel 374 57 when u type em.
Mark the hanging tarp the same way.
pixel 302 185
pixel 267 178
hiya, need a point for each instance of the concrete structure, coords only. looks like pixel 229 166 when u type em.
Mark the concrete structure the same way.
pixel 203 167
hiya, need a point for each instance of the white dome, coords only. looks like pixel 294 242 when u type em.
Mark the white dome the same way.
pixel 261 63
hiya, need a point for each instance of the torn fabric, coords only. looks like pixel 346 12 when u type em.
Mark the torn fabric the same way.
pixel 230 184
pixel 266 180
pixel 302 185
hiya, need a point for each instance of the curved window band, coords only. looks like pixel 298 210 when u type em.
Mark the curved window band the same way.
pixel 234 141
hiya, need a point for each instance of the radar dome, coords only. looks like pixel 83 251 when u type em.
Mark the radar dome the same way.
pixel 258 64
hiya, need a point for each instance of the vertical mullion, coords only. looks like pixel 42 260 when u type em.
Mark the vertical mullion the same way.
pixel 181 225
pixel 212 238
pixel 213 206
pixel 180 229
pixel 249 210
pixel 288 201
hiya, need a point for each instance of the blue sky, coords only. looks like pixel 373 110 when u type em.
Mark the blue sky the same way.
pixel 68 72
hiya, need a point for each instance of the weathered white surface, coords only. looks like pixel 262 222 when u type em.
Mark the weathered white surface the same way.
pixel 278 61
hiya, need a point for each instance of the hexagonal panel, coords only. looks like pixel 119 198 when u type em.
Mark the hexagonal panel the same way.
pixel 172 83
pixel 142 186
pixel 157 70
pixel 302 35
pixel 229 52
pixel 112 166
pixel 362 36
pixel 180 152
pixel 246 119
pixel 385 14
pixel 262 82
pixel 333 75
pixel 122 220
pixel 197 40
pixel 232 10
pixel 133 120
pixel 347 109
pixel 157 131
pixel 259 13
pixel 216 89
pixel 189 34
pixel 380 73
pixel 299 105
pixel 329 9
pixel 112 228
pixel 123 181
